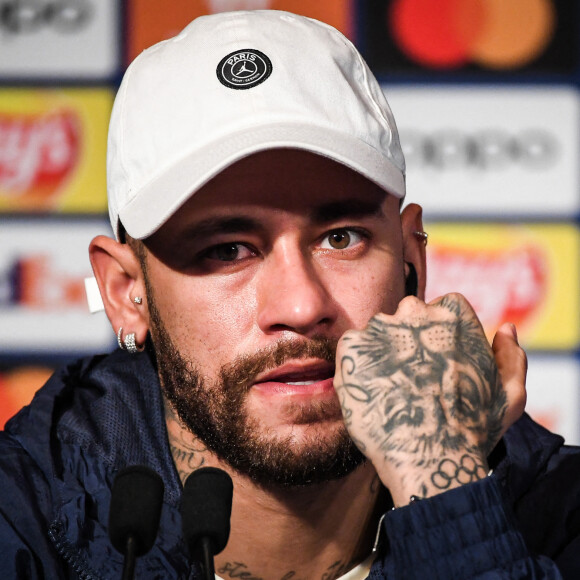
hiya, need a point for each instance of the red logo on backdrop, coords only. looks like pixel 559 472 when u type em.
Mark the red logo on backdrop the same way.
pixel 450 33
pixel 37 155
pixel 481 36
pixel 501 286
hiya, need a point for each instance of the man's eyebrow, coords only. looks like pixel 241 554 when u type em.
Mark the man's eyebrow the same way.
pixel 328 212
pixel 351 208
pixel 222 225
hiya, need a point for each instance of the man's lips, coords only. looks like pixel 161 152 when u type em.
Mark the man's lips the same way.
pixel 297 378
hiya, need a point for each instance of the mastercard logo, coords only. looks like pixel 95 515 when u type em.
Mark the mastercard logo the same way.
pixel 494 34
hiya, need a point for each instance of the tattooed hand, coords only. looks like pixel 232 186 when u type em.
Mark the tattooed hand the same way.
pixel 421 396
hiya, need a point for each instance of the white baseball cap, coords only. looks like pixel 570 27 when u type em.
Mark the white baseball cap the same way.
pixel 233 84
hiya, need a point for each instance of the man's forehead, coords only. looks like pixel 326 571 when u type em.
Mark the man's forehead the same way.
pixel 290 177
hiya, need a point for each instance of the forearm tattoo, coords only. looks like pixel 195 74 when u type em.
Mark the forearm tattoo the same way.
pixel 420 392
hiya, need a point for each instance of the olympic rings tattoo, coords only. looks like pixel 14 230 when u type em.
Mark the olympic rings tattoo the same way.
pixel 467 471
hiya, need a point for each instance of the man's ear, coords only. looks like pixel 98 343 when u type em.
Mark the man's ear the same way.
pixel 120 279
pixel 414 245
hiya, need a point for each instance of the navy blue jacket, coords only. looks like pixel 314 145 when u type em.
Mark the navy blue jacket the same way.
pixel 60 454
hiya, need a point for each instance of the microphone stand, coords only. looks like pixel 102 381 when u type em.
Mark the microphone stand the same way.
pixel 130 558
pixel 208 563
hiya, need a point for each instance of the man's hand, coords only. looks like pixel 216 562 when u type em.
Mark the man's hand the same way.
pixel 422 395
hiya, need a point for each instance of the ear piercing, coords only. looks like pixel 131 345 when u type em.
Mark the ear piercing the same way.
pixel 422 235
pixel 131 344
pixel 128 343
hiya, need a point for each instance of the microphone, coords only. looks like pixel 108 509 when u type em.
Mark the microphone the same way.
pixel 206 507
pixel 134 513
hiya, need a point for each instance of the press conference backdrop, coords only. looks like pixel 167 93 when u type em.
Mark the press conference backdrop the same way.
pixel 485 93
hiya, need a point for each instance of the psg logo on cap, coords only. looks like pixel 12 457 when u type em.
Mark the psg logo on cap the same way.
pixel 244 69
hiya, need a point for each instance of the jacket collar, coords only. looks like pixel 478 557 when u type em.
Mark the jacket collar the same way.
pixel 112 407
pixel 522 454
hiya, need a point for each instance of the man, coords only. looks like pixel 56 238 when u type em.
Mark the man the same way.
pixel 267 294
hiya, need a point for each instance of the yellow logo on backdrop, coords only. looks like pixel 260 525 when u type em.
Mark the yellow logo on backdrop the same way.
pixel 53 149
pixel 526 274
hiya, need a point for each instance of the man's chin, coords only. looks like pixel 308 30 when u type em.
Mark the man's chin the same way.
pixel 295 455
pixel 302 437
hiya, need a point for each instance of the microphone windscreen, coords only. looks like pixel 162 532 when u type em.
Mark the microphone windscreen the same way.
pixel 206 508
pixel 136 501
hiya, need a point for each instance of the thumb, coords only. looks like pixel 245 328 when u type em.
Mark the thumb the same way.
pixel 512 364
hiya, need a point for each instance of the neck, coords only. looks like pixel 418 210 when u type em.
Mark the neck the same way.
pixel 319 531
pixel 314 531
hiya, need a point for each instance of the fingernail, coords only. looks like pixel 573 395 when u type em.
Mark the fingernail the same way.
pixel 514 331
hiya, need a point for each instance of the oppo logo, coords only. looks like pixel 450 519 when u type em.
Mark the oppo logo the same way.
pixel 26 16
pixel 489 150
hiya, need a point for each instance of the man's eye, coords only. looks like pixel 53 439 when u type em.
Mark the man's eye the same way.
pixel 228 252
pixel 341 239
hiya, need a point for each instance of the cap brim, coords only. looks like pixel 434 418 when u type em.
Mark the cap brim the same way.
pixel 158 200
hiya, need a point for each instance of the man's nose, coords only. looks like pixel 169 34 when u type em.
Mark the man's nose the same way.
pixel 292 295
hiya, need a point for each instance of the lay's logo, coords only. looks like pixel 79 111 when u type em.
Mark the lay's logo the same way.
pixel 37 156
pixel 53 146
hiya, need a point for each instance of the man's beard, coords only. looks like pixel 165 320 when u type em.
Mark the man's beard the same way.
pixel 216 413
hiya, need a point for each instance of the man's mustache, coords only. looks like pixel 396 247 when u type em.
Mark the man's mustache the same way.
pixel 242 372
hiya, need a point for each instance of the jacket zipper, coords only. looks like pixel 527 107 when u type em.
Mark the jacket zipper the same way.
pixel 68 552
